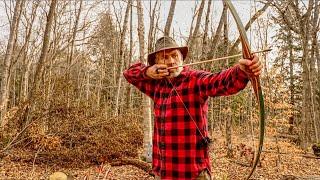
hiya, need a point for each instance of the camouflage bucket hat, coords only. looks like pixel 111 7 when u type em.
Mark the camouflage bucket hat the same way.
pixel 166 43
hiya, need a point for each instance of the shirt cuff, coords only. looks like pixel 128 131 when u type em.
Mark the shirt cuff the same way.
pixel 241 74
pixel 144 73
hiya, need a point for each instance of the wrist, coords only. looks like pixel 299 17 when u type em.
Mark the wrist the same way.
pixel 242 73
pixel 146 72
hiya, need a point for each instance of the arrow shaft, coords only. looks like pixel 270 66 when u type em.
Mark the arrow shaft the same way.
pixel 217 59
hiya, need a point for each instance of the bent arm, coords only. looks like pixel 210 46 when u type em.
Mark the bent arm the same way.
pixel 136 75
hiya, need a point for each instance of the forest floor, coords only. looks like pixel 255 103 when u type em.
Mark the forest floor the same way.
pixel 290 162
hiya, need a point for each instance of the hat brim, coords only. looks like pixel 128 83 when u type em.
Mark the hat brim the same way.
pixel 152 56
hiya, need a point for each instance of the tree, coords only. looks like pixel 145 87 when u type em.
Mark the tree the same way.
pixel 205 33
pixel 227 99
pixel 5 79
pixel 121 54
pixel 146 104
pixel 169 18
pixel 194 36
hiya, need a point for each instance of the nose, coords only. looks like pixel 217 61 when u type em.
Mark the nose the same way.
pixel 171 60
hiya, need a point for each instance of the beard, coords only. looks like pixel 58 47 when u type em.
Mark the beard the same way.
pixel 176 72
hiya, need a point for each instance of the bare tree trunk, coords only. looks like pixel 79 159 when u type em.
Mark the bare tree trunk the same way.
pixel 315 56
pixel 74 34
pixel 87 75
pixel 318 67
pixel 170 17
pixel 194 35
pixel 191 25
pixel 205 33
pixel 228 99
pixel 102 75
pixel 129 60
pixel 70 58
pixel 316 23
pixel 5 79
pixel 217 34
pixel 44 51
pixel 121 49
pixel 291 87
pixel 151 27
pixel 27 64
pixel 306 111
pixel 13 101
pixel 146 104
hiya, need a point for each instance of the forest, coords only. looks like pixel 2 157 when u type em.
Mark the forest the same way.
pixel 65 106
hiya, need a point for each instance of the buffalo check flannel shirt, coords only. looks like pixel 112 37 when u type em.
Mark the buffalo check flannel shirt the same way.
pixel 178 148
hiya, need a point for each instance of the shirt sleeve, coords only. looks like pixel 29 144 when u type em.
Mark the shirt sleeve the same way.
pixel 223 83
pixel 136 75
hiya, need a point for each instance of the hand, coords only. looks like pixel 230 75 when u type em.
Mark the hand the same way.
pixel 251 67
pixel 157 71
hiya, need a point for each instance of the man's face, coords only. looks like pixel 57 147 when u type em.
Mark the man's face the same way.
pixel 171 57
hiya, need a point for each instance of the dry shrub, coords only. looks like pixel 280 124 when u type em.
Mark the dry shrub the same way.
pixel 74 136
pixel 68 128
pixel 94 138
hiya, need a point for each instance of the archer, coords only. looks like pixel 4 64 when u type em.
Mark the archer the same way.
pixel 180 95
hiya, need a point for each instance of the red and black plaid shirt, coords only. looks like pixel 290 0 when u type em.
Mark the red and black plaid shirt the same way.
pixel 179 151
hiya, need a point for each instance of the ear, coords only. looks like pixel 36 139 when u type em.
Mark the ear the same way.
pixel 156 60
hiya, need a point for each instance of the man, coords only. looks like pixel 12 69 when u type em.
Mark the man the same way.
pixel 180 95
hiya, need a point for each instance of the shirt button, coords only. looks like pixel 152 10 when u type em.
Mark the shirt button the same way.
pixel 162 120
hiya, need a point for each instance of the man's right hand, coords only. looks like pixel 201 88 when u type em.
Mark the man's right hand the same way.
pixel 157 71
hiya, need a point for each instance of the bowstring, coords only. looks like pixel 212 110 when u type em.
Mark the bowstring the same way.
pixel 185 107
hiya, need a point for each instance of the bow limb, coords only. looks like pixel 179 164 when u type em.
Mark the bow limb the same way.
pixel 254 80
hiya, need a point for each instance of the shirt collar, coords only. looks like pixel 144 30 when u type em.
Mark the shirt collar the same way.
pixel 184 72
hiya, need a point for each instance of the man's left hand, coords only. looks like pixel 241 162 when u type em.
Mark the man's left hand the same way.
pixel 251 67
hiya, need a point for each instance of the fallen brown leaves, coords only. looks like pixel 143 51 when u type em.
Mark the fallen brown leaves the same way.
pixel 291 163
pixel 83 146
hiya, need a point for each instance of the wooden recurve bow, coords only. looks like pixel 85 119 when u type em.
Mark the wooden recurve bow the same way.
pixel 255 81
